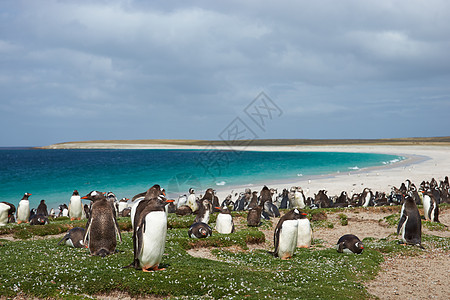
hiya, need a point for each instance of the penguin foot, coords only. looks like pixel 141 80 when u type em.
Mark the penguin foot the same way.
pixel 72 219
pixel 152 268
pixel 286 257
pixel 18 222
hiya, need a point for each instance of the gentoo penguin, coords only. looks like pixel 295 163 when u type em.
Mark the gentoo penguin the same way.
pixel 254 215
pixel 74 238
pixel 410 224
pixel 284 199
pixel 75 206
pixel 210 195
pixel 286 234
pixel 430 207
pixel 182 200
pixel 150 230
pixel 321 199
pixel 239 204
pixel 191 200
pixel 123 203
pixel 7 211
pixel 253 201
pixel 269 209
pixel 38 219
pixel 304 233
pixel 126 212
pixel 299 200
pixel 155 192
pixel 199 230
pixel 366 198
pixel 112 199
pixel 23 209
pixel 102 226
pixel 224 221
pixel 42 209
pixel 52 213
pixel 204 211
pixel 349 243
pixel 63 210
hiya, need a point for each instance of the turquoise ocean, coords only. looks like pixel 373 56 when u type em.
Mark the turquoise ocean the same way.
pixel 54 174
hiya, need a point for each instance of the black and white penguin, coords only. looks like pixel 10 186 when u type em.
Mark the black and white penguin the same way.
pixel 42 208
pixel 150 230
pixel 191 200
pixel 224 221
pixel 410 224
pixel 286 234
pixel 204 211
pixel 74 238
pixel 126 212
pixel 199 230
pixel 23 209
pixel 254 215
pixel 75 206
pixel 38 219
pixel 299 200
pixel 7 211
pixel 430 207
pixel 63 210
pixel 181 201
pixel 321 199
pixel 349 243
pixel 112 199
pixel 154 192
pixel 366 198
pixel 284 200
pixel 305 233
pixel 123 203
pixel 102 227
pixel 269 209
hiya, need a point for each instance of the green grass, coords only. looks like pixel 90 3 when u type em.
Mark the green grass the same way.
pixel 343 219
pixel 40 268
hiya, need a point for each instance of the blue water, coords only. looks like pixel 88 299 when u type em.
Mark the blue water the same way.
pixel 54 174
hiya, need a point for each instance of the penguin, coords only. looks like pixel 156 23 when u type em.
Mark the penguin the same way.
pixel 75 206
pixel 349 243
pixel 299 200
pixel 366 198
pixel 112 199
pixel 154 192
pixel 430 207
pixel 63 210
pixel 38 219
pixel 149 232
pixel 171 207
pixel 182 200
pixel 286 234
pixel 74 238
pixel 102 227
pixel 253 201
pixel 410 224
pixel 204 211
pixel 240 202
pixel 7 211
pixel 52 213
pixel 270 210
pixel 126 212
pixel 342 200
pixel 210 195
pixel 123 203
pixel 191 200
pixel 42 209
pixel 254 215
pixel 183 211
pixel 199 230
pixel 284 200
pixel 304 233
pixel 224 221
pixel 321 199
pixel 23 209
pixel 87 211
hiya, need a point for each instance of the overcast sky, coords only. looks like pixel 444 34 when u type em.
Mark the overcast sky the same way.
pixel 86 70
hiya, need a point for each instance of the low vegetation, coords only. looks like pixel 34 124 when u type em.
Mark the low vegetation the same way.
pixel 38 267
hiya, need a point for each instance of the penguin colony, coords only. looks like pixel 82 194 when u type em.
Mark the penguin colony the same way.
pixel 149 210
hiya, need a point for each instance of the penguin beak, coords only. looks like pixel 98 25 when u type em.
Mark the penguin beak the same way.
pixel 304 214
pixel 217 207
pixel 170 201
pixel 164 193
pixel 84 197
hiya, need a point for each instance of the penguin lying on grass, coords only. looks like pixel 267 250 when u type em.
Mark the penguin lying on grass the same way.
pixel 349 243
pixel 199 230
pixel 74 238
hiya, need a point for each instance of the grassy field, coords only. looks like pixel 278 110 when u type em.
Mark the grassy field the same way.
pixel 271 142
pixel 33 266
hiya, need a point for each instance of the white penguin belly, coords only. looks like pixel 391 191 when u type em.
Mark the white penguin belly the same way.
pixel 224 223
pixel 304 236
pixel 153 239
pixel 426 206
pixel 122 206
pixel 288 238
pixel 23 210
pixel 76 207
pixel 192 203
pixel 403 229
pixel 4 209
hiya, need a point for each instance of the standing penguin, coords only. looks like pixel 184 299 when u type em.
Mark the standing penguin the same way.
pixel 123 203
pixel 102 226
pixel 191 200
pixel 7 211
pixel 366 198
pixel 150 230
pixel 23 209
pixel 204 211
pixel 42 209
pixel 199 230
pixel 410 224
pixel 430 207
pixel 75 206
pixel 74 238
pixel 254 215
pixel 305 234
pixel 224 221
pixel 349 243
pixel 286 234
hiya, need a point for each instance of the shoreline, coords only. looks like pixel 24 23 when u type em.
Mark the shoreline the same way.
pixel 422 162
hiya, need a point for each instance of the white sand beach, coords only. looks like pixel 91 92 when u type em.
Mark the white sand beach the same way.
pixel 422 162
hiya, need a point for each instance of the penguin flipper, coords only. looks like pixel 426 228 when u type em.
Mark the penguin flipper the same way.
pixel 400 223
pixel 64 239
pixel 139 240
pixel 117 229
pixel 141 195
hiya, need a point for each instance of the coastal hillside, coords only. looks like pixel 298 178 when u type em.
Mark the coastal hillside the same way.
pixel 258 142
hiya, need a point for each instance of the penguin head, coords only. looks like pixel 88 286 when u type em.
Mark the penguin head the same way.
pixel 203 231
pixel 359 245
